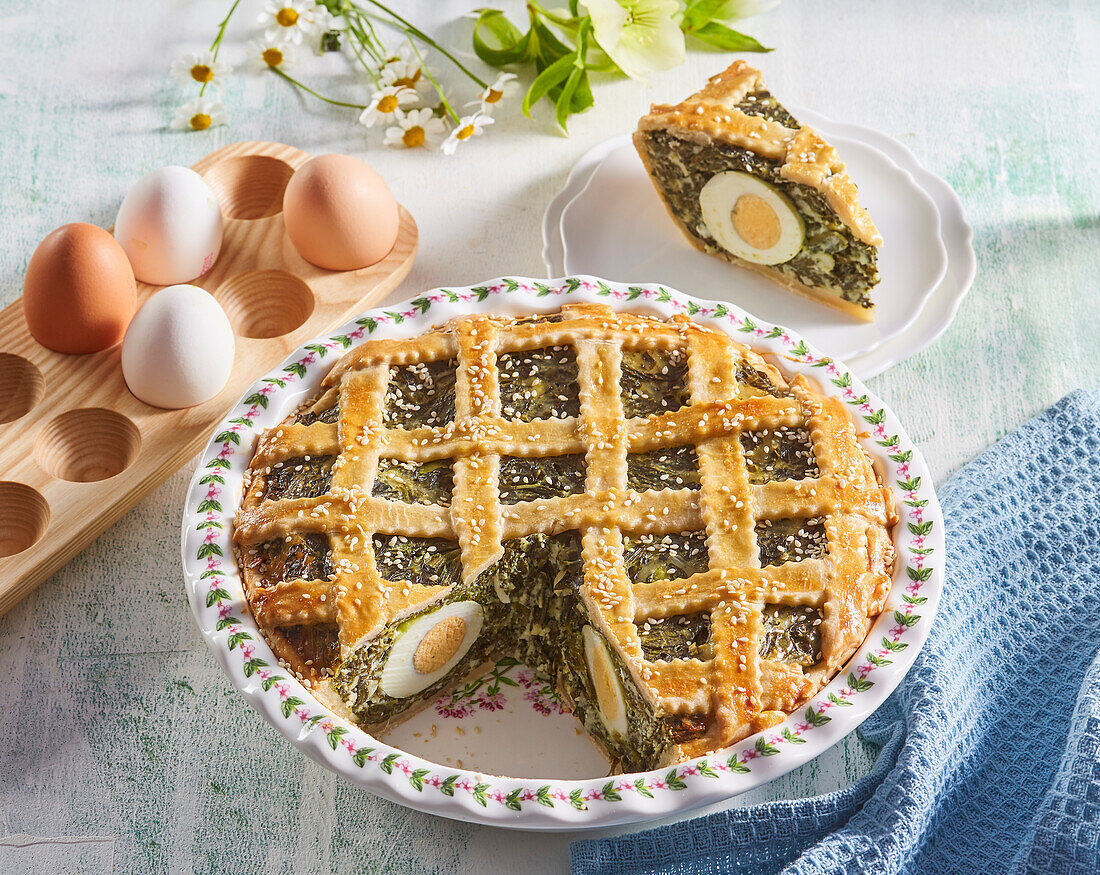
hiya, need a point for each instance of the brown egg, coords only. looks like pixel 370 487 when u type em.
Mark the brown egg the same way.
pixel 78 292
pixel 339 213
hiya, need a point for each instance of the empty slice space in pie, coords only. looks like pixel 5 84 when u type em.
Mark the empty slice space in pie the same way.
pixel 87 444
pixel 24 517
pixel 249 186
pixel 265 303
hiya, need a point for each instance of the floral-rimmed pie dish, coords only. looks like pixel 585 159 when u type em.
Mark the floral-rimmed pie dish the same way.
pixel 689 775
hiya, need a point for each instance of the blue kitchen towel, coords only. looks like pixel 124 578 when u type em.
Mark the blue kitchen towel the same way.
pixel 990 757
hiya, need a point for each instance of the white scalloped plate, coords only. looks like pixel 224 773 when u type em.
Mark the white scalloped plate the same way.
pixel 419 770
pixel 934 311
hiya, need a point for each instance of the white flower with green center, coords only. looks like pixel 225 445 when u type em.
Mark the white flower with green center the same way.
pixel 417 127
pixel 385 102
pixel 640 36
pixel 266 54
pixel 291 20
pixel 199 114
pixel 468 127
pixel 200 67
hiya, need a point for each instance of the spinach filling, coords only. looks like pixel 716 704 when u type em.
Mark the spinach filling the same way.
pixel 420 395
pixel 666 468
pixel 305 556
pixel 791 634
pixel 304 477
pixel 750 376
pixel 523 479
pixel 330 415
pixel 762 103
pixel 653 381
pixel 415 482
pixel 790 540
pixel 685 727
pixel 680 637
pixel 540 625
pixel 831 258
pixel 784 453
pixel 539 384
pixel 427 561
pixel 649 558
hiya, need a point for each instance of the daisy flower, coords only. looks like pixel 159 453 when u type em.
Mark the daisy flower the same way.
pixel 386 101
pixel 289 20
pixel 417 127
pixel 405 69
pixel 469 126
pixel 504 86
pixel 199 114
pixel 267 54
pixel 202 68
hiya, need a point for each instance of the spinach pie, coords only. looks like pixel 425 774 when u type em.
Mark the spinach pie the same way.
pixel 685 543
pixel 745 181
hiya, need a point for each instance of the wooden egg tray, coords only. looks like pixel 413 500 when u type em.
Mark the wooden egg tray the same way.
pixel 77 450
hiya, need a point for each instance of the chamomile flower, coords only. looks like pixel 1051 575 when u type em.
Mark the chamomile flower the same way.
pixel 417 127
pixel 199 114
pixel 504 86
pixel 290 20
pixel 468 126
pixel 268 54
pixel 407 70
pixel 202 68
pixel 385 102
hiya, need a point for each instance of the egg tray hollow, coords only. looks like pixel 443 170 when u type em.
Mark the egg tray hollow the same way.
pixel 78 450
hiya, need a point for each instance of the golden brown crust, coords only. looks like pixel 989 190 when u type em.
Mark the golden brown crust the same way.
pixel 711 115
pixel 737 691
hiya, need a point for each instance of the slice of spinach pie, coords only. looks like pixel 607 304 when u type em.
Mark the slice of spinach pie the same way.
pixel 683 542
pixel 745 181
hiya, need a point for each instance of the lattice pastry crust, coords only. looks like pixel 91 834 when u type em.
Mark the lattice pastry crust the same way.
pixel 711 634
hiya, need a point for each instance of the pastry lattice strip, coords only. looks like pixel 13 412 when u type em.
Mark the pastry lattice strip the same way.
pixel 736 690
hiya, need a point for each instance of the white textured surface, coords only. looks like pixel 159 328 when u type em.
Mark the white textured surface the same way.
pixel 121 745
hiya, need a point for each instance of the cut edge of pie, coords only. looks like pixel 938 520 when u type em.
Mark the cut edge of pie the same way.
pixel 737 125
pixel 673 621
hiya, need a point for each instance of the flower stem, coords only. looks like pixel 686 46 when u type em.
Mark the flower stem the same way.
pixel 216 46
pixel 442 97
pixel 309 90
pixel 411 28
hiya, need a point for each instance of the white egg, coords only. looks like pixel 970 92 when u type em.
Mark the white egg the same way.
pixel 429 646
pixel 170 226
pixel 178 350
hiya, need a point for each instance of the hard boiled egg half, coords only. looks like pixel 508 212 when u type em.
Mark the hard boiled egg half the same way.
pixel 605 681
pixel 429 646
pixel 750 218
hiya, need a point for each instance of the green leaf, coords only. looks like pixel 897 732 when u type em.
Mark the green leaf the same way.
pixel 843 381
pixel 704 769
pixel 253 665
pixel 387 764
pixel 816 718
pixel 447 788
pixel 236 638
pixel 765 749
pixel 397 318
pixel 288 705
pixel 838 701
pixel 317 348
pixel 422 304
pixel 343 340
pixel 878 660
pixel 908 485
pixel 895 646
pixel 877 418
pixel 227 437
pixel 215 595
pixel 334 735
pixel 736 766
pixel 914 600
pixel 858 684
pixel 921 528
pixel 207 479
pixel 642 789
pixel 542 796
pixel 903 456
pixel 360 756
pixel 479 794
pixel 219 463
pixel 208 524
pixel 297 368
pixel 726 38
pixel 512 800
pixel 792 738
pixel 275 381
pixel 512 45
pixel 699 12
pixel 906 620
pixel 673 781
pixel 209 504
pixel 610 793
pixel 563 106
pixel 417 779
pixel 269 682
pixel 205 551
pixel 552 76
pixel 257 398
pixel 367 322
pixel 748 326
pixel 576 801
pixel 225 623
